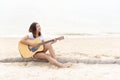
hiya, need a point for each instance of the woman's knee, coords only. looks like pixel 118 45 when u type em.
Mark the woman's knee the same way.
pixel 40 55
pixel 47 46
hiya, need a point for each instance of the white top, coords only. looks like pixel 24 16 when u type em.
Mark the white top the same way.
pixel 30 35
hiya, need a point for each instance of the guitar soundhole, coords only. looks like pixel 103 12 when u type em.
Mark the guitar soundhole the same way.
pixel 32 49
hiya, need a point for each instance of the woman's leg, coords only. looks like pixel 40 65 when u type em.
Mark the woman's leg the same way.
pixel 50 48
pixel 49 58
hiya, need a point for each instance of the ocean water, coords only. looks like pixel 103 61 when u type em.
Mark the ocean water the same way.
pixel 19 32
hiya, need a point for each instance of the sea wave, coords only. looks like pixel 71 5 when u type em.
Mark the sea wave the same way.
pixel 71 35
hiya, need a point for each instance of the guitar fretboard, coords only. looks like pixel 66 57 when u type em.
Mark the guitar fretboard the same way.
pixel 59 38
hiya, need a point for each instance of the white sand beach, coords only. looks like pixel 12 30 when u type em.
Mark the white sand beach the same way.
pixel 72 48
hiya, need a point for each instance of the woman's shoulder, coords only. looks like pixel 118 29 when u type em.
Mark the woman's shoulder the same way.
pixel 30 35
pixel 41 37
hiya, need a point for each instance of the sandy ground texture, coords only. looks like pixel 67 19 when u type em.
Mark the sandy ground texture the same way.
pixel 71 48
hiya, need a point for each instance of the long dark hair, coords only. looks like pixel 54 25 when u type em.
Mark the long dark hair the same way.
pixel 33 29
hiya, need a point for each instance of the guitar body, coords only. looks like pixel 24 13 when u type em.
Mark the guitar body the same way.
pixel 27 51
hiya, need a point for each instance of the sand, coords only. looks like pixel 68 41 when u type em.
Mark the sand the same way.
pixel 72 48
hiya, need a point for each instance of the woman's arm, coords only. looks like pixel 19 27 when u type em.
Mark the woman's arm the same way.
pixel 24 40
pixel 54 41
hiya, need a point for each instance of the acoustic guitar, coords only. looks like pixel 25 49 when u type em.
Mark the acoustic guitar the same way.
pixel 27 51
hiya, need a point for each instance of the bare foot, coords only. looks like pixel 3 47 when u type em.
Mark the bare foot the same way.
pixel 67 65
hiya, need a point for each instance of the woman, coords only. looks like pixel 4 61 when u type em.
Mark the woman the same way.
pixel 35 32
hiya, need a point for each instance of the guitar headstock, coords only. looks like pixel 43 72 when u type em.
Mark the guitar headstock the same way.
pixel 60 38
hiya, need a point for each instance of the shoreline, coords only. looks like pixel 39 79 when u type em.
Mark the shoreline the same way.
pixel 71 35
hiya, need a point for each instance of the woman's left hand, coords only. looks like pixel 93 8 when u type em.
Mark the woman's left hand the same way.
pixel 54 40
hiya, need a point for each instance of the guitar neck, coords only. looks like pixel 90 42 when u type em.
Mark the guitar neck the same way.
pixel 46 42
pixel 59 38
